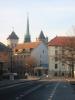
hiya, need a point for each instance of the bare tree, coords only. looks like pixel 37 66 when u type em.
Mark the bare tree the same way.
pixel 69 50
pixel 30 64
pixel 68 55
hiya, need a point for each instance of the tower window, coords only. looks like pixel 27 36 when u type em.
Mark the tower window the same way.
pixel 56 58
pixel 55 74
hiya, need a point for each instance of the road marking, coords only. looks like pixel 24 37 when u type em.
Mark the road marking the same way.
pixel 65 86
pixel 53 92
pixel 14 85
pixel 47 86
pixel 27 92
pixel 17 98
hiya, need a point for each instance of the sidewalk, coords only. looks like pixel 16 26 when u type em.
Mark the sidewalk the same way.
pixel 33 78
pixel 10 82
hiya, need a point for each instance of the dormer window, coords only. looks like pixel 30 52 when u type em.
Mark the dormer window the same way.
pixel 23 50
pixel 16 50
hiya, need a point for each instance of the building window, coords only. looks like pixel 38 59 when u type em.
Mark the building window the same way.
pixel 56 58
pixel 16 50
pixel 62 64
pixel 62 74
pixel 56 47
pixel 40 56
pixel 40 62
pixel 56 66
pixel 27 50
pixel 23 50
pixel 56 52
pixel 55 74
pixel 31 49
pixel 43 51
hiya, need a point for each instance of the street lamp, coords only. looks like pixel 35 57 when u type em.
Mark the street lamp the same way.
pixel 1 70
pixel 11 61
pixel 11 66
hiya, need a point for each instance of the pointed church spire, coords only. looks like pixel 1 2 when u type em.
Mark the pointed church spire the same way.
pixel 27 37
pixel 27 24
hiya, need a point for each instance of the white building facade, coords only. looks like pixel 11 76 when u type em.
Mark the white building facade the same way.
pixel 40 53
pixel 58 66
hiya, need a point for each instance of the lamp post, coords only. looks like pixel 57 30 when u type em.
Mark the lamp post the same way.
pixel 26 68
pixel 1 70
pixel 11 61
pixel 11 66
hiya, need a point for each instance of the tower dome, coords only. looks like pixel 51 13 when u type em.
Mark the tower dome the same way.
pixel 41 36
pixel 12 40
pixel 13 36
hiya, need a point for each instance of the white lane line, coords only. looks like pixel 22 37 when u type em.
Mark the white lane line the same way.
pixel 27 92
pixel 53 92
pixel 49 85
pixel 17 98
pixel 14 85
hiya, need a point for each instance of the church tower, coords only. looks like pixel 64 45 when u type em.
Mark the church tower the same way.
pixel 42 38
pixel 27 37
pixel 12 40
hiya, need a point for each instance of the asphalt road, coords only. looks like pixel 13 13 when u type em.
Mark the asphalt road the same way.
pixel 55 91
pixel 12 91
pixel 38 90
pixel 43 93
pixel 63 91
pixel 17 91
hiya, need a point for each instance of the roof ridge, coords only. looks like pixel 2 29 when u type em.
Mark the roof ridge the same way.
pixel 60 41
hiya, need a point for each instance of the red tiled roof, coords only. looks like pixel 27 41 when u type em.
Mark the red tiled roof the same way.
pixel 29 45
pixel 62 41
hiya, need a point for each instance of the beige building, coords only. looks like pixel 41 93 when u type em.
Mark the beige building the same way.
pixel 61 54
pixel 37 51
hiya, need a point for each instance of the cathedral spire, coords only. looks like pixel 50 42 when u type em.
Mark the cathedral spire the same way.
pixel 27 24
pixel 27 37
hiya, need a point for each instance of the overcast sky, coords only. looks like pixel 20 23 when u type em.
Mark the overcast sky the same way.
pixel 54 17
